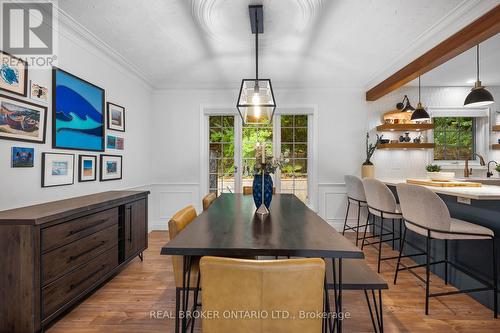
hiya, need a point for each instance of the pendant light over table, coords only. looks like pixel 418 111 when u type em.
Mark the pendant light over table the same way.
pixel 256 102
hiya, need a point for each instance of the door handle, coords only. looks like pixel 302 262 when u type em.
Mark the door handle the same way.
pixel 130 223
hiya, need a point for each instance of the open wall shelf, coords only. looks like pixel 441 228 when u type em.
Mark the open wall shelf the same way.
pixel 404 127
pixel 406 145
pixel 496 128
pixel 495 146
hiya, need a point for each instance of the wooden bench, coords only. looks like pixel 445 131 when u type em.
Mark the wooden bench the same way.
pixel 357 275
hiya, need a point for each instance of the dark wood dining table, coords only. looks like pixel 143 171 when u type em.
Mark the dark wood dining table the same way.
pixel 231 228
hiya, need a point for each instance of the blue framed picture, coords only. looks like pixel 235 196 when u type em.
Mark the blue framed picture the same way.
pixel 23 157
pixel 78 113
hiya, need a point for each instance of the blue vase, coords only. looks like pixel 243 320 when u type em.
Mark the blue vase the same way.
pixel 257 190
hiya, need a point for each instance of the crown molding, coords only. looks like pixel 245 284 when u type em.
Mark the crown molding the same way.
pixel 462 15
pixel 121 62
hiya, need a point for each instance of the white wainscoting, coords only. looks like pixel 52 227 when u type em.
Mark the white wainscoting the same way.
pixel 166 199
pixel 333 205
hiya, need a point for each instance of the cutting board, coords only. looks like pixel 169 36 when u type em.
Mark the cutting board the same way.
pixel 428 182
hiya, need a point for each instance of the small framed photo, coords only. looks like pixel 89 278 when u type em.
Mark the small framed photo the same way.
pixel 13 74
pixel 87 168
pixel 38 92
pixel 116 117
pixel 57 169
pixel 23 157
pixel 114 142
pixel 111 167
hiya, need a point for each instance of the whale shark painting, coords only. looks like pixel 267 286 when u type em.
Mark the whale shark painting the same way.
pixel 78 116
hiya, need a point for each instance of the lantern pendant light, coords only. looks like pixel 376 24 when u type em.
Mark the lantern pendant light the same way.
pixel 256 102
pixel 419 114
pixel 478 95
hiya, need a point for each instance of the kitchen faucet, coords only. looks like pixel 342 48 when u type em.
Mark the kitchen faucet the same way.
pixel 489 173
pixel 467 171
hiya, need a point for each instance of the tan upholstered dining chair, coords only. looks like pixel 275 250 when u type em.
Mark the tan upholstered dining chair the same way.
pixel 177 223
pixel 237 285
pixel 208 200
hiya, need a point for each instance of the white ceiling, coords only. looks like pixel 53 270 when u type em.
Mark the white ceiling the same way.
pixel 461 70
pixel 307 43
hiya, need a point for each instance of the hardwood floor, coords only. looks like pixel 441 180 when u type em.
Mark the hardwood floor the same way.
pixel 125 303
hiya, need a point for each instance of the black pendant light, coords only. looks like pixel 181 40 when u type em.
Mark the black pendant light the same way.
pixel 256 102
pixel 419 114
pixel 478 95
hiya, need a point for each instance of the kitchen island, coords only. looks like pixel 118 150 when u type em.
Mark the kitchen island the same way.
pixel 480 205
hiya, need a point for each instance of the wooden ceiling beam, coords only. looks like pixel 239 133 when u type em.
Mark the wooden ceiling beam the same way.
pixel 478 31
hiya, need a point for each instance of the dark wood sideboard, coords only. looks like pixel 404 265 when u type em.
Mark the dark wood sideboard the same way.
pixel 52 255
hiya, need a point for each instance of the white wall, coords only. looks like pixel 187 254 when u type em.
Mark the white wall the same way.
pixel 341 118
pixel 22 186
pixel 411 163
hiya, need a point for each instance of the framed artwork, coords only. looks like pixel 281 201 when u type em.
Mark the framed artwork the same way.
pixel 116 117
pixel 111 142
pixel 78 113
pixel 23 157
pixel 114 142
pixel 38 92
pixel 87 168
pixel 57 169
pixel 22 121
pixel 120 143
pixel 13 74
pixel 111 167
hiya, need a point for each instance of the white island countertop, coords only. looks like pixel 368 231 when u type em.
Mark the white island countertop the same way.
pixel 485 192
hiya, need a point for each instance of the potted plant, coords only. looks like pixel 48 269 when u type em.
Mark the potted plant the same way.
pixel 368 169
pixel 434 173
pixel 497 168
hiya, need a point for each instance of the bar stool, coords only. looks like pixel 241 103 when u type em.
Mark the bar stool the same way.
pixel 426 214
pixel 356 197
pixel 381 203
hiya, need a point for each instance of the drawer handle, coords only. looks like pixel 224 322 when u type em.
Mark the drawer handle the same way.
pixel 85 252
pixel 75 285
pixel 72 232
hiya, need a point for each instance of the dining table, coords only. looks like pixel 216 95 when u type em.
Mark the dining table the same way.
pixel 230 228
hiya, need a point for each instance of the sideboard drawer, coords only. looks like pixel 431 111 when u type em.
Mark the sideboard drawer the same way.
pixel 70 231
pixel 62 260
pixel 62 291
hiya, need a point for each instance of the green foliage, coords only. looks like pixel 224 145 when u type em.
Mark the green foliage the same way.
pixel 497 168
pixel 370 148
pixel 454 138
pixel 433 168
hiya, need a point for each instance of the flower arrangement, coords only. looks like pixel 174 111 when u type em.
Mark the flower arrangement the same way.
pixel 370 148
pixel 270 165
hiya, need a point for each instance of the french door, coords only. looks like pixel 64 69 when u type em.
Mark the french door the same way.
pixel 232 152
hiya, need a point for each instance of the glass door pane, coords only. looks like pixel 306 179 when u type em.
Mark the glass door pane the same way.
pixel 221 162
pixel 294 145
pixel 251 135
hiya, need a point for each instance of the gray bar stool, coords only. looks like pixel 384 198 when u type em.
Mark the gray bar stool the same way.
pixel 356 197
pixel 426 214
pixel 381 203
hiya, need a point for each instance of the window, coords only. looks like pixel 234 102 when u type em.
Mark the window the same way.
pixel 253 134
pixel 221 154
pixel 454 138
pixel 294 133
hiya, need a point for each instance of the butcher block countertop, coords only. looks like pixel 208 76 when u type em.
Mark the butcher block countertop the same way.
pixel 453 183
pixel 485 192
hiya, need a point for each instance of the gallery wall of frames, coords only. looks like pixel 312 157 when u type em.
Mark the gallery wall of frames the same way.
pixel 84 124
